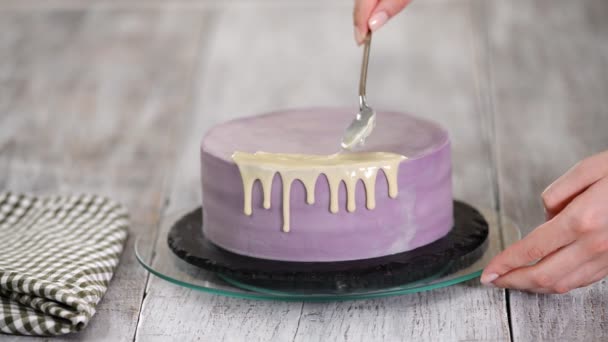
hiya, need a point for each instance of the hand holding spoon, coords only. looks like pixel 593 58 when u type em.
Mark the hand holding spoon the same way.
pixel 365 120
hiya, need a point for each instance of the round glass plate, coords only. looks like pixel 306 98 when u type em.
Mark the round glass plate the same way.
pixel 166 265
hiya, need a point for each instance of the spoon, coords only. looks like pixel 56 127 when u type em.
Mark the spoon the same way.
pixel 365 120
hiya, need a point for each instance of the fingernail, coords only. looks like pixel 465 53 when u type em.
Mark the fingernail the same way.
pixel 487 279
pixel 358 36
pixel 377 20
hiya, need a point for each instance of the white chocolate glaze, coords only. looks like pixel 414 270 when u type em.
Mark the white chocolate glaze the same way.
pixel 342 167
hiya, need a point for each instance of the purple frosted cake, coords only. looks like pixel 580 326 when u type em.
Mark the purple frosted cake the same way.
pixel 421 212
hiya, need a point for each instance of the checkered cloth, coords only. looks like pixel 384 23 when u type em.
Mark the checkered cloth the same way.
pixel 57 256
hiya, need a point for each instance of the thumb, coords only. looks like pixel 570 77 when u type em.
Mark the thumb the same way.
pixel 385 10
pixel 361 14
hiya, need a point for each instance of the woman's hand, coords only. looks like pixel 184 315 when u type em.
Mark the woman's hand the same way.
pixel 372 14
pixel 571 247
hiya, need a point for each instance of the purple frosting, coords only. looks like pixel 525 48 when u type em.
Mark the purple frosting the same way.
pixel 421 213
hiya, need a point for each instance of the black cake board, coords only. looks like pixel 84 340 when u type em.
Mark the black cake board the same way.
pixel 461 247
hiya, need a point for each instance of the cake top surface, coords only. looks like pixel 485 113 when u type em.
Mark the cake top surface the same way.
pixel 318 131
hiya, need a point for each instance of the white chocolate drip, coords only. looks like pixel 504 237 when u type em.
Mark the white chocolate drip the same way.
pixel 342 167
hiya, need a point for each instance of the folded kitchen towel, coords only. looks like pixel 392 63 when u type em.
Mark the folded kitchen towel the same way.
pixel 57 256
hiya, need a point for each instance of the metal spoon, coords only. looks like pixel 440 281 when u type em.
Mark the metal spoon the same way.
pixel 365 120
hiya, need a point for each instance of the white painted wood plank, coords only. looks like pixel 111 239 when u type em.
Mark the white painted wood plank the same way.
pixel 429 65
pixel 424 62
pixel 171 313
pixel 172 4
pixel 550 75
pixel 435 315
pixel 90 103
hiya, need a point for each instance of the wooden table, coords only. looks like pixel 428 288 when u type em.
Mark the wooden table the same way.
pixel 113 96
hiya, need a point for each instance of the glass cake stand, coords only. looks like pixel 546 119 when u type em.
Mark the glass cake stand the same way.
pixel 167 266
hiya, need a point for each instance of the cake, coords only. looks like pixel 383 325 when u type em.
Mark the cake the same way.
pixel 410 186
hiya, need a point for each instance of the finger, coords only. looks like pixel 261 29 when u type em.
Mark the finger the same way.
pixel 564 289
pixel 581 278
pixel 551 270
pixel 552 210
pixel 587 274
pixel 543 241
pixel 587 212
pixel 563 270
pixel 573 182
pixel 597 277
pixel 385 10
pixel 361 14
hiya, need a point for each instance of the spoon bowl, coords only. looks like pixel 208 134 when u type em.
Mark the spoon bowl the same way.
pixel 360 128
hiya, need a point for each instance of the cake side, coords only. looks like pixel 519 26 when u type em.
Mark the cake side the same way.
pixel 421 213
pixel 318 131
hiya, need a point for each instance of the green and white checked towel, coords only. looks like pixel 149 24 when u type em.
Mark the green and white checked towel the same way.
pixel 57 256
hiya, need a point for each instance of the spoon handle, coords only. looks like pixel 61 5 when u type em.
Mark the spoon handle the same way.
pixel 363 80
